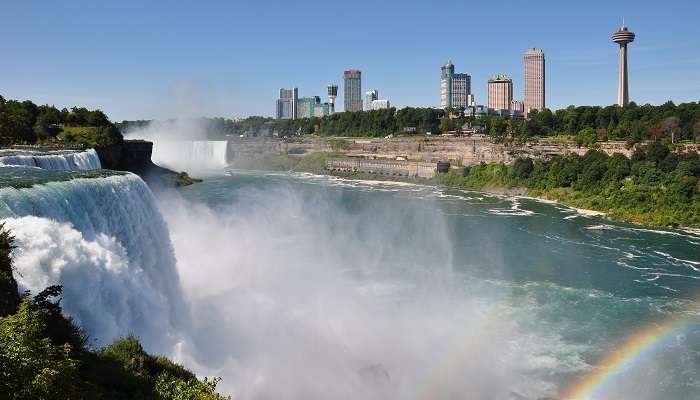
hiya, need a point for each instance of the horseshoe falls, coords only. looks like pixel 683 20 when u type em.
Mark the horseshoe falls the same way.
pixel 190 155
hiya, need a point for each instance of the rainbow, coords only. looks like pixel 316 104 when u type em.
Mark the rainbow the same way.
pixel 623 357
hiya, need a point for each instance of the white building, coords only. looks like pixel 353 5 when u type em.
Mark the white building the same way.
pixel 379 104
pixel 370 97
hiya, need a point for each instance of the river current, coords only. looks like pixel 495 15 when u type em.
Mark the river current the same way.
pixel 300 286
pixel 484 290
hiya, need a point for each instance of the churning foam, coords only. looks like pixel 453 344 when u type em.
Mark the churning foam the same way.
pixel 105 241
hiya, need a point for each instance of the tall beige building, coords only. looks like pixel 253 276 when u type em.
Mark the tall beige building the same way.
pixel 500 92
pixel 534 80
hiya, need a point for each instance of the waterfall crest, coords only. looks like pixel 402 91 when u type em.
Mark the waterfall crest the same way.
pixel 83 160
pixel 190 154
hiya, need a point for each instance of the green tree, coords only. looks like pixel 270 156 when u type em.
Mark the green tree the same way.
pixel 9 296
pixel 31 366
pixel 586 136
pixel 523 167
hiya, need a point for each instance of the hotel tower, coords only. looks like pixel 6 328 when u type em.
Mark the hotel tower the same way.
pixel 533 95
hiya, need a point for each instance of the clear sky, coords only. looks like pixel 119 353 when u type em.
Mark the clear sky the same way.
pixel 150 59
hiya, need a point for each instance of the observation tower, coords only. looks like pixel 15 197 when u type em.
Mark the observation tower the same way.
pixel 622 37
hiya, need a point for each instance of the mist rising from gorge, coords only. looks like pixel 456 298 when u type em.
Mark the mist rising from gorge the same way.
pixel 295 297
pixel 183 144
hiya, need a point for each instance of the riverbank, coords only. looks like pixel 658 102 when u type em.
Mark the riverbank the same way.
pixel 655 203
pixel 637 204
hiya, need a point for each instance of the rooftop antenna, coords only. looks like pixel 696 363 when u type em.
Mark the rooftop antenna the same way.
pixel 623 21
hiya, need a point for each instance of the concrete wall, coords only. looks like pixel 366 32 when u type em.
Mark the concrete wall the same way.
pixel 382 167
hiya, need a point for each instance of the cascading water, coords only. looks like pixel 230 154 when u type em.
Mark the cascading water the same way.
pixel 105 241
pixel 84 160
pixel 190 155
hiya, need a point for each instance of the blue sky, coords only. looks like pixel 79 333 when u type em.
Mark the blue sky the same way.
pixel 151 59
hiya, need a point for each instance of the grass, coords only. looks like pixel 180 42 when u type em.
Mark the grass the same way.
pixel 78 134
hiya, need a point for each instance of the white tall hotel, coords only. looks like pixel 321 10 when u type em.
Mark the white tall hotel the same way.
pixel 454 88
pixel 533 96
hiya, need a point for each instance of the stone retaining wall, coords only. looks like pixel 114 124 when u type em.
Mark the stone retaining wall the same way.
pixel 382 167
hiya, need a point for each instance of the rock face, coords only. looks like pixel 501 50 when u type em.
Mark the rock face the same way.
pixel 456 150
pixel 135 156
pixel 131 155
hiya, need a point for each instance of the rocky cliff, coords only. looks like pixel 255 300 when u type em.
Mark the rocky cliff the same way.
pixel 130 155
pixel 135 156
pixel 456 150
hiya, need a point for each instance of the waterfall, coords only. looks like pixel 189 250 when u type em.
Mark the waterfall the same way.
pixel 190 154
pixel 105 241
pixel 83 160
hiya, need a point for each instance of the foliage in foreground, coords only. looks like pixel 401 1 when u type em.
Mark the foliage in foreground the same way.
pixel 43 355
pixel 654 187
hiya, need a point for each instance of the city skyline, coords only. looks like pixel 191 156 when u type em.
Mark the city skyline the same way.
pixel 201 60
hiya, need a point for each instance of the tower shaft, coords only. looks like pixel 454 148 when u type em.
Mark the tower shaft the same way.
pixel 623 37
pixel 622 86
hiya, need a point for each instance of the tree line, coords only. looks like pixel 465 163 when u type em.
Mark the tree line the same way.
pixel 586 124
pixel 23 122
pixel 373 123
pixel 26 122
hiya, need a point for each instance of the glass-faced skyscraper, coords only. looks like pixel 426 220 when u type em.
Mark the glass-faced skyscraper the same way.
pixel 454 88
pixel 353 90
pixel 461 88
pixel 448 72
pixel 286 106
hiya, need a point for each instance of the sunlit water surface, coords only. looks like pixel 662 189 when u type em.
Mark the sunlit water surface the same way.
pixel 536 290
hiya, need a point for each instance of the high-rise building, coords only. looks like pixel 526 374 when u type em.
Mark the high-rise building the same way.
pixel 353 90
pixel 500 92
pixel 379 104
pixel 309 107
pixel 370 97
pixel 454 88
pixel 517 105
pixel 461 89
pixel 287 104
pixel 533 96
pixel 471 100
pixel 623 36
pixel 448 72
pixel 332 94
